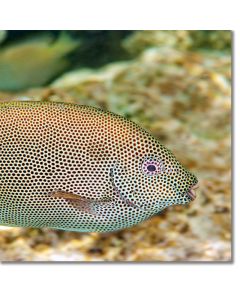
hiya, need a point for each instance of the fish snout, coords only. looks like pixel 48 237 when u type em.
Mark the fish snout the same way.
pixel 191 192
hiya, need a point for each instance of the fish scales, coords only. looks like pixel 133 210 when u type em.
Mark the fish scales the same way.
pixel 80 168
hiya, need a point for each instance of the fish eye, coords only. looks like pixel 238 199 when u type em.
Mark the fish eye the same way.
pixel 152 166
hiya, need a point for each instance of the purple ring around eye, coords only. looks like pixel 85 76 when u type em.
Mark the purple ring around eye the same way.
pixel 153 167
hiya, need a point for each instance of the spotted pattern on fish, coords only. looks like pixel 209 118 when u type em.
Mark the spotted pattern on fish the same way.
pixel 80 168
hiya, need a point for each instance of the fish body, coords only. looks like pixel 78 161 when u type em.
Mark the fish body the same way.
pixel 79 168
pixel 34 62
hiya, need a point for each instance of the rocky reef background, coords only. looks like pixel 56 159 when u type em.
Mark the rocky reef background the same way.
pixel 177 85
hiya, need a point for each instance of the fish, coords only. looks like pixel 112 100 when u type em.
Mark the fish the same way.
pixel 34 61
pixel 80 168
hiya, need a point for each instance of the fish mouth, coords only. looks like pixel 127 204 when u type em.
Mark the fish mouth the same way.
pixel 191 192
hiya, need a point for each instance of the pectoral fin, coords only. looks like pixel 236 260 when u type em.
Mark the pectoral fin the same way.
pixel 79 202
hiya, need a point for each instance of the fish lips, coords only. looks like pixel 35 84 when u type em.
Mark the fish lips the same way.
pixel 191 193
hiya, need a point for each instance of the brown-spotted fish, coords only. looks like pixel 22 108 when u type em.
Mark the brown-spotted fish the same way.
pixel 80 168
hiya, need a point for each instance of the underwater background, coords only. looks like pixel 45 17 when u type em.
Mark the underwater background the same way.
pixel 175 84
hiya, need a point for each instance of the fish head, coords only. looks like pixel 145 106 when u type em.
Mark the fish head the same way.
pixel 154 179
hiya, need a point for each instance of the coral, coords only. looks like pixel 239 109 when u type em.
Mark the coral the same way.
pixel 178 39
